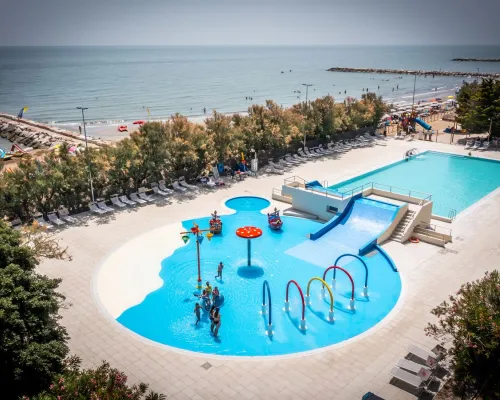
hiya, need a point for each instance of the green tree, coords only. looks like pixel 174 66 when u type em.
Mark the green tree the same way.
pixel 32 343
pixel 470 323
pixel 226 141
pixel 103 382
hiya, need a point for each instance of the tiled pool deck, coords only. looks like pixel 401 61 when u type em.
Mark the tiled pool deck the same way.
pixel 429 275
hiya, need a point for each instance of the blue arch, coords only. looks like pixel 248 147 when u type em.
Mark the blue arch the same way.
pixel 355 256
pixel 264 286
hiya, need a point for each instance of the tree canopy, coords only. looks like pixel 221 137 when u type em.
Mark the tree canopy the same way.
pixel 470 323
pixel 479 106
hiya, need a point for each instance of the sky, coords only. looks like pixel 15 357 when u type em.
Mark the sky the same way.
pixel 248 22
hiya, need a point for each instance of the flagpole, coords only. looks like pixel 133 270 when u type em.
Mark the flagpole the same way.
pixel 86 151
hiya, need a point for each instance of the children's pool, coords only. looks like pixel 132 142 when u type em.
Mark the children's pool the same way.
pixel 455 182
pixel 166 315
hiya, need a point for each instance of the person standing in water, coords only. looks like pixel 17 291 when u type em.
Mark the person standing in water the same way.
pixel 220 267
pixel 197 311
pixel 215 323
pixel 204 110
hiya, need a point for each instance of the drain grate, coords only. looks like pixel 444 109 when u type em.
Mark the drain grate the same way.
pixel 446 251
pixel 206 366
pixel 460 239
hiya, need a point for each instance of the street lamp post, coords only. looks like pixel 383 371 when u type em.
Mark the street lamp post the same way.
pixel 86 149
pixel 307 90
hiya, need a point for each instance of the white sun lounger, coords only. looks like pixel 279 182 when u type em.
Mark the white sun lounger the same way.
pixel 53 218
pixel 477 145
pixel 136 198
pixel 103 206
pixel 413 380
pixel 484 146
pixel 116 201
pixel 289 159
pixel 274 165
pixel 207 181
pixel 64 215
pixel 142 194
pixel 40 221
pixel 307 150
pixel 415 368
pixel 183 183
pixel 304 154
pixel 271 170
pixel 285 164
pixel 178 188
pixel 318 151
pixel 164 188
pixel 299 158
pixel 469 144
pixel 96 210
pixel 429 357
pixel 158 191
pixel 124 199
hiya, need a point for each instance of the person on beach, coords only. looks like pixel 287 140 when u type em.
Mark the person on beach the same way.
pixel 220 267
pixel 204 110
pixel 215 323
pixel 197 311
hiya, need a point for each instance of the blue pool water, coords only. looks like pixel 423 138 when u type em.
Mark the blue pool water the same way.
pixel 166 315
pixel 455 182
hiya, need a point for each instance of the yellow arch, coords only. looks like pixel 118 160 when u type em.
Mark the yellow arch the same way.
pixel 325 285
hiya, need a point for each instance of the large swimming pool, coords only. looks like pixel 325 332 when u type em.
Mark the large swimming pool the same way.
pixel 166 315
pixel 455 182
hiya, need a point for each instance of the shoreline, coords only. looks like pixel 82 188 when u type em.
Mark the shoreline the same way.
pixel 416 72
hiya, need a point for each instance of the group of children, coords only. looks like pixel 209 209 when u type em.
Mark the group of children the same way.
pixel 210 298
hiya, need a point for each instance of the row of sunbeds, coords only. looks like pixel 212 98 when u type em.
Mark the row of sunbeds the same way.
pixel 474 144
pixel 307 154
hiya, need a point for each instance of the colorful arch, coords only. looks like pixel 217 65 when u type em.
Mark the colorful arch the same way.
pixel 324 285
pixel 301 295
pixel 264 286
pixel 335 267
pixel 355 256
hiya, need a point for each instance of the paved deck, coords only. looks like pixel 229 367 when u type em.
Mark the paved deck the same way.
pixel 429 274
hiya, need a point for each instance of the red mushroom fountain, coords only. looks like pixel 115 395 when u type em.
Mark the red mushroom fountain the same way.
pixel 249 233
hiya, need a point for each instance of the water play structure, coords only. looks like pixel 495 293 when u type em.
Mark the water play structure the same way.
pixel 302 324
pixel 335 268
pixel 249 233
pixel 423 124
pixel 215 224
pixel 324 285
pixel 274 221
pixel 269 328
pixel 198 234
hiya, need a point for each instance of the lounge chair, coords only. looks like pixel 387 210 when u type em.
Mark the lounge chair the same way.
pixel 64 215
pixel 274 165
pixel 319 151
pixel 469 144
pixel 325 149
pixel 289 159
pixel 16 223
pixel 54 219
pixel 477 145
pixel 116 201
pixel 41 221
pixel 416 368
pixel 158 191
pixel 271 170
pixel 103 206
pixel 302 153
pixel 207 182
pixel 134 197
pixel 299 158
pixel 413 380
pixel 429 357
pixel 178 188
pixel 96 210
pixel 285 164
pixel 217 178
pixel 183 183
pixel 484 146
pixel 143 195
pixel 164 188
pixel 311 151
pixel 124 199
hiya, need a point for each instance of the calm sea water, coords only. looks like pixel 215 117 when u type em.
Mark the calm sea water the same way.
pixel 119 83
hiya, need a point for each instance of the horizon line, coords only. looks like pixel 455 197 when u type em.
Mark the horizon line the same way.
pixel 251 45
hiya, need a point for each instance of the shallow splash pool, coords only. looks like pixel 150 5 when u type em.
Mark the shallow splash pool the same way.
pixel 166 315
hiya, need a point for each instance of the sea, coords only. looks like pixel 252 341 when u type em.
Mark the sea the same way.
pixel 123 84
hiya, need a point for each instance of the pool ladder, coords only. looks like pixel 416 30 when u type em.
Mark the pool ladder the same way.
pixel 452 214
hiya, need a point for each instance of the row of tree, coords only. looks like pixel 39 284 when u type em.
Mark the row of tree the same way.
pixel 159 150
pixel 479 106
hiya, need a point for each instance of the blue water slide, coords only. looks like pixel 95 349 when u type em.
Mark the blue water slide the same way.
pixel 423 124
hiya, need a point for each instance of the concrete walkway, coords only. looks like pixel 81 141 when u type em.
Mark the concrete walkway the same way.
pixel 429 275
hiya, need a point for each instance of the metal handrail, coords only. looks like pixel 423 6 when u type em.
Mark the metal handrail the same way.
pixel 435 230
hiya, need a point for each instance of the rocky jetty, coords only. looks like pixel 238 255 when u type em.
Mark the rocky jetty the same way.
pixel 416 72
pixel 37 135
pixel 477 59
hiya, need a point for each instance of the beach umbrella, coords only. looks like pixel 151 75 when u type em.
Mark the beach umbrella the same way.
pixel 451 97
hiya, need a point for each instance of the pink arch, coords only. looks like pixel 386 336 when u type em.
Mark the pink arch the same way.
pixel 301 295
pixel 348 275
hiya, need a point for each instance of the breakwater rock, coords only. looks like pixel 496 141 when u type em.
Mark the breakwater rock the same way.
pixel 477 59
pixel 37 135
pixel 416 72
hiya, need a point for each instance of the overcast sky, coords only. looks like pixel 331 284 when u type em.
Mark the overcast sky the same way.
pixel 226 22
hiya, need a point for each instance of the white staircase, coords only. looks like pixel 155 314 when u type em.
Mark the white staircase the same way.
pixel 401 228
